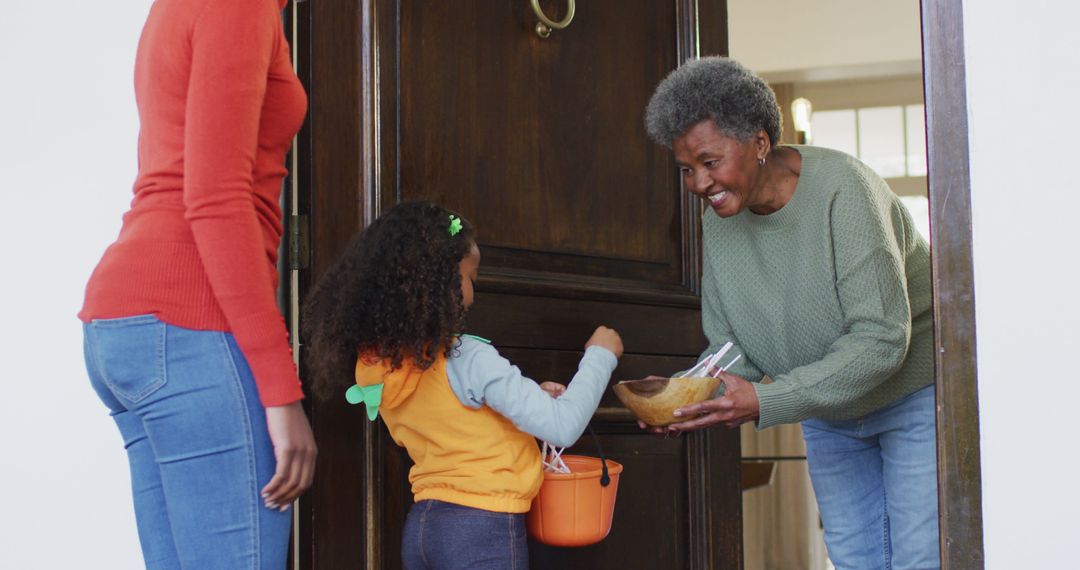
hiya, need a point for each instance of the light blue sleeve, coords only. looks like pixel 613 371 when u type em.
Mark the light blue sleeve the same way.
pixel 480 376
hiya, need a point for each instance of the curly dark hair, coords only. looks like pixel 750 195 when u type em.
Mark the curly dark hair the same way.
pixel 395 293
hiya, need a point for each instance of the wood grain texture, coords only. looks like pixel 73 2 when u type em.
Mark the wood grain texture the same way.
pixel 514 127
pixel 582 222
pixel 648 527
pixel 959 475
pixel 565 324
pixel 329 46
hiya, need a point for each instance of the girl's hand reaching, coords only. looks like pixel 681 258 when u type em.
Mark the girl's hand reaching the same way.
pixel 606 338
pixel 603 337
pixel 554 389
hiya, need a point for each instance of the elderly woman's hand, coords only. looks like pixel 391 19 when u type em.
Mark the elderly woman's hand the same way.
pixel 738 405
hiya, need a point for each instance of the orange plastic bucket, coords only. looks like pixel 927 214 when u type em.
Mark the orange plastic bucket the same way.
pixel 574 509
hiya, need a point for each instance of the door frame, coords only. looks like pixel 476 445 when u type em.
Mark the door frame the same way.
pixel 955 363
pixel 341 148
pixel 959 473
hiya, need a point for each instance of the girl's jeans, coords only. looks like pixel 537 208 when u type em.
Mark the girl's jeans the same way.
pixel 445 536
pixel 875 478
pixel 195 432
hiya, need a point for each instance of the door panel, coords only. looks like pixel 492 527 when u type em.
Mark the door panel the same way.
pixel 581 221
pixel 566 324
pixel 540 141
pixel 654 518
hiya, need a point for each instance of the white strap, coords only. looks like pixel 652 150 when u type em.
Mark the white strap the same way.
pixel 551 458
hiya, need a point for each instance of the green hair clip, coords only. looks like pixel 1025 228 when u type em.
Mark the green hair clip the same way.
pixel 370 396
pixel 455 225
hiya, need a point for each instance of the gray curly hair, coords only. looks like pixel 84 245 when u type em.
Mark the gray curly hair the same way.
pixel 717 88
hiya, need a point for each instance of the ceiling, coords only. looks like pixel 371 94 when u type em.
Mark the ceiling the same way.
pixel 826 40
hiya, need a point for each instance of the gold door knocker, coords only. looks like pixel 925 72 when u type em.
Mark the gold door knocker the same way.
pixel 545 25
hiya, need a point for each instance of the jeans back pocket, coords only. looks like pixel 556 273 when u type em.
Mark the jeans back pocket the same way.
pixel 130 355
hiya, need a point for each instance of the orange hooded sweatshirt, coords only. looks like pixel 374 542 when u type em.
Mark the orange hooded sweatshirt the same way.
pixel 466 456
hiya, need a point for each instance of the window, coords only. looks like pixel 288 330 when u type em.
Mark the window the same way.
pixel 836 129
pixel 891 140
pixel 919 208
pixel 915 129
pixel 881 140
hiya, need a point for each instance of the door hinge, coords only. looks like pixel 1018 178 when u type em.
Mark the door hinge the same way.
pixel 299 244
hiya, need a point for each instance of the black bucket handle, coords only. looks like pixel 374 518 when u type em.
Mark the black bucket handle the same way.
pixel 605 480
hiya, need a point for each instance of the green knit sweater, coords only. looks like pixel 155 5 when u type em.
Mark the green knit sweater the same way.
pixel 828 296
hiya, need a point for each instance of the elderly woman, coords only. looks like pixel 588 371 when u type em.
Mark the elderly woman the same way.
pixel 814 270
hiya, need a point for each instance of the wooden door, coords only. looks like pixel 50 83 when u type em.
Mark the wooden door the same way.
pixel 581 221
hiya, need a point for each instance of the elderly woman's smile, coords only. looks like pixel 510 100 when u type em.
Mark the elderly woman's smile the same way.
pixel 733 175
pixel 718 168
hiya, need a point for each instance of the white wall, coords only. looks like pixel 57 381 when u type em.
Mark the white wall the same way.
pixel 67 114
pixel 1022 76
pixel 821 34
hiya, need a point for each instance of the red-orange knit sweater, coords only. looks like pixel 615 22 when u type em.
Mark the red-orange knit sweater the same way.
pixel 218 105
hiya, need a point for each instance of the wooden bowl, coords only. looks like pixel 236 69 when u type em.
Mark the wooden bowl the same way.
pixel 653 400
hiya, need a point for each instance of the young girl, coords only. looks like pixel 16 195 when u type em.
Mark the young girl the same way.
pixel 390 314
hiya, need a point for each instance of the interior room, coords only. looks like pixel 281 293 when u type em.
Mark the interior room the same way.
pixel 536 131
pixel 856 70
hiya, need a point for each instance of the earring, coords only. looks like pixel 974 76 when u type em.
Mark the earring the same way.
pixel 761 161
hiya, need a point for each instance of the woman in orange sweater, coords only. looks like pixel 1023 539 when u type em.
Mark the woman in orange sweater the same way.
pixel 183 338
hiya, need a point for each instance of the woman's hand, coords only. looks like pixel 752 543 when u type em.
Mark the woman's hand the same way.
pixel 554 389
pixel 738 405
pixel 294 449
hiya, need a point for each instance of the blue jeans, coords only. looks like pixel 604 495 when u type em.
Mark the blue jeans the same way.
pixel 199 451
pixel 875 478
pixel 445 536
